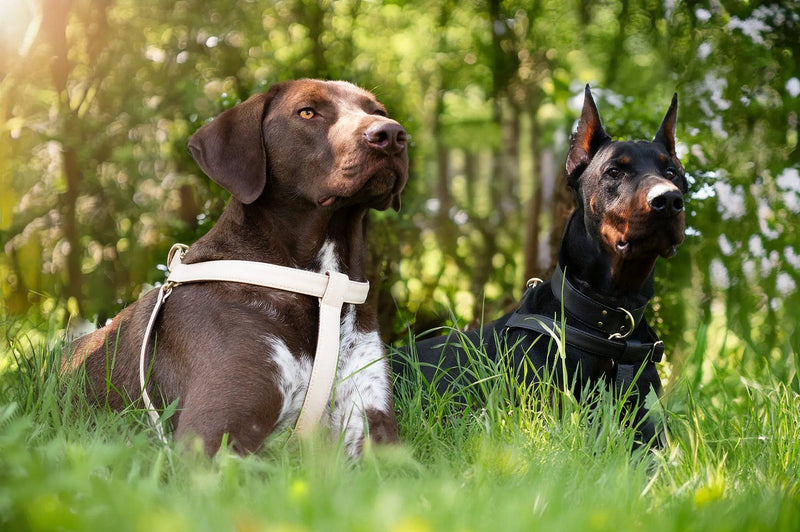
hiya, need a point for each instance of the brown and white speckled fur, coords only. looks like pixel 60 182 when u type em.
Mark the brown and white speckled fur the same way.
pixel 304 163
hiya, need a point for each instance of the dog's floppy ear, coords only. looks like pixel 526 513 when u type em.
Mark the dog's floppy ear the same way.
pixel 666 133
pixel 230 148
pixel 589 137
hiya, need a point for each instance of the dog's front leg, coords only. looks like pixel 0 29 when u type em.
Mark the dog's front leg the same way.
pixel 362 397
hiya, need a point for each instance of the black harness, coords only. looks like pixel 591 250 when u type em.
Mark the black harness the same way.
pixel 608 328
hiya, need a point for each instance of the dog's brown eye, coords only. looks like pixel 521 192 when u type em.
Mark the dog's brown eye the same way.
pixel 670 173
pixel 613 172
pixel 307 113
pixel 379 112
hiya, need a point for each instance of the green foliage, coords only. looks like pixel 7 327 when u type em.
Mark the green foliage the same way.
pixel 97 106
pixel 96 184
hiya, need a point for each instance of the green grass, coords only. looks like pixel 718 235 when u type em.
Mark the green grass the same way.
pixel 732 461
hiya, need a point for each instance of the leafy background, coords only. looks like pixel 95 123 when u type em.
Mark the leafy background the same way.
pixel 98 98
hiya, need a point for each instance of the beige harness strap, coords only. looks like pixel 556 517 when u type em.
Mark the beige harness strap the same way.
pixel 326 359
pixel 333 288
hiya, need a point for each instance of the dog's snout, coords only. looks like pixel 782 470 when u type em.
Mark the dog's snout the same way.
pixel 668 202
pixel 389 137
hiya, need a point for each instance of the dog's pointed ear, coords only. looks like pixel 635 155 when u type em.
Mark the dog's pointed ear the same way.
pixel 666 137
pixel 230 149
pixel 589 136
pixel 666 133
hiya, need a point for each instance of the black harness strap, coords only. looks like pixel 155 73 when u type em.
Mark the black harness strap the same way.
pixel 627 354
pixel 591 312
pixel 621 351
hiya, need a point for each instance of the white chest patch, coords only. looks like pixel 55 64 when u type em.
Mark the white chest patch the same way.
pixel 362 376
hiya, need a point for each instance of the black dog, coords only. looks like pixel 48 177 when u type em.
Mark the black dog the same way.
pixel 629 211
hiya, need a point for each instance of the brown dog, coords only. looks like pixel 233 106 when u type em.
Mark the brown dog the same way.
pixel 304 163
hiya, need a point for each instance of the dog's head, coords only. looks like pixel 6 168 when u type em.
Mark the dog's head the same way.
pixel 631 192
pixel 325 144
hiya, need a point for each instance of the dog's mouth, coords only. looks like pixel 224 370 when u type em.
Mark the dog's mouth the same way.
pixel 328 201
pixel 377 190
pixel 640 235
pixel 626 250
pixel 664 245
pixel 382 182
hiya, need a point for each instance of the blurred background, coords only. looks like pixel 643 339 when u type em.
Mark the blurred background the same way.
pixel 99 97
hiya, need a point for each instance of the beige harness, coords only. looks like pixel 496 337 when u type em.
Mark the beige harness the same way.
pixel 332 288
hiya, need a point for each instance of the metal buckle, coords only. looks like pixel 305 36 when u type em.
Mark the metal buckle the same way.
pixel 533 282
pixel 621 336
pixel 167 287
pixel 653 351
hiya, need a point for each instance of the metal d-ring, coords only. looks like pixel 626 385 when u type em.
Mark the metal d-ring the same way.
pixel 618 336
pixel 533 282
pixel 176 248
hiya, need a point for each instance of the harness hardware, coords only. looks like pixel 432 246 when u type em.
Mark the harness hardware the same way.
pixel 533 282
pixel 624 334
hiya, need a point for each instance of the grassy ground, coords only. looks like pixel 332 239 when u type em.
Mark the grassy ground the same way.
pixel 732 463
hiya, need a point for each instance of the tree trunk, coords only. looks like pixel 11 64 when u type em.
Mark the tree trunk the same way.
pixel 446 229
pixel 312 16
pixel 55 16
pixel 619 44
pixel 532 225
pixel 442 187
pixel 497 174
pixel 513 201
pixel 470 176
pixel 72 175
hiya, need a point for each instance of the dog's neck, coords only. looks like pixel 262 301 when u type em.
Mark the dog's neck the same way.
pixel 267 231
pixel 600 274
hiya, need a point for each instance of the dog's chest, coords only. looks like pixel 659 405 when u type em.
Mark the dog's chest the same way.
pixel 293 369
pixel 358 384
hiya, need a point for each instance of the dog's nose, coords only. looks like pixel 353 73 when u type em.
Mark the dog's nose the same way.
pixel 668 203
pixel 389 137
